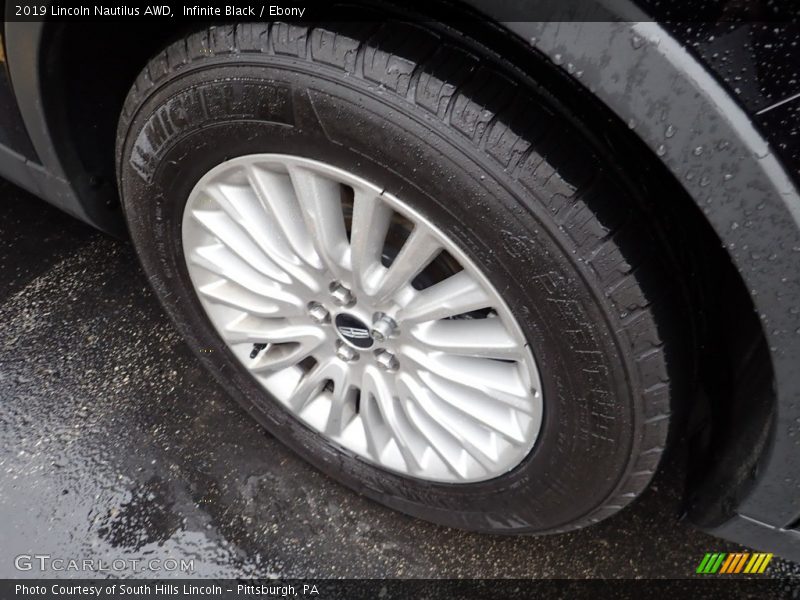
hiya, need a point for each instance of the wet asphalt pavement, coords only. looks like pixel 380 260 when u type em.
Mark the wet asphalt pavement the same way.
pixel 115 444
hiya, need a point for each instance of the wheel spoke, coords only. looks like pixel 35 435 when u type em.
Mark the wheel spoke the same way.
pixel 418 251
pixel 341 410
pixel 221 261
pixel 220 225
pixel 481 338
pixel 458 294
pixel 227 293
pixel 281 356
pixel 472 397
pixel 450 437
pixel 320 201
pixel 378 388
pixel 277 196
pixel 314 381
pixel 490 412
pixel 242 205
pixel 376 432
pixel 488 376
pixel 371 220
pixel 248 329
pixel 448 448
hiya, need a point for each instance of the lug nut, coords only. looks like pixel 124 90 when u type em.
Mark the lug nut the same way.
pixel 341 295
pixel 383 328
pixel 346 353
pixel 318 313
pixel 386 360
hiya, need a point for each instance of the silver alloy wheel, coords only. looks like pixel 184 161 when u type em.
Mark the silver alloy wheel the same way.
pixel 362 318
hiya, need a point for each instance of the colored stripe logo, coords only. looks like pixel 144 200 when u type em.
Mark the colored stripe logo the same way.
pixel 733 563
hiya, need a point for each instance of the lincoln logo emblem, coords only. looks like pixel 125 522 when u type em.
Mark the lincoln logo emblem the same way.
pixel 353 330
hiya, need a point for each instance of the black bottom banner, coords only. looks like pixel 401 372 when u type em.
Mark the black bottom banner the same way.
pixel 397 589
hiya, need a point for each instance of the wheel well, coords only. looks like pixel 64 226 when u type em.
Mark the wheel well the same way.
pixel 726 398
pixel 85 74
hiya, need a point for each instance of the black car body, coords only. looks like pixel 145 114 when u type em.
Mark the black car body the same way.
pixel 705 104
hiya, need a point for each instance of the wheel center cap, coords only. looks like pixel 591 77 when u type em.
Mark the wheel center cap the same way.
pixel 353 330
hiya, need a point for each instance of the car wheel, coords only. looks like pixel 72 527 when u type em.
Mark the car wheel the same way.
pixel 407 262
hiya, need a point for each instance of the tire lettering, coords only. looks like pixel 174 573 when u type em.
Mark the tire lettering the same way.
pixel 195 107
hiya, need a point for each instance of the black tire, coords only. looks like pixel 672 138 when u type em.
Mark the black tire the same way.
pixel 475 146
